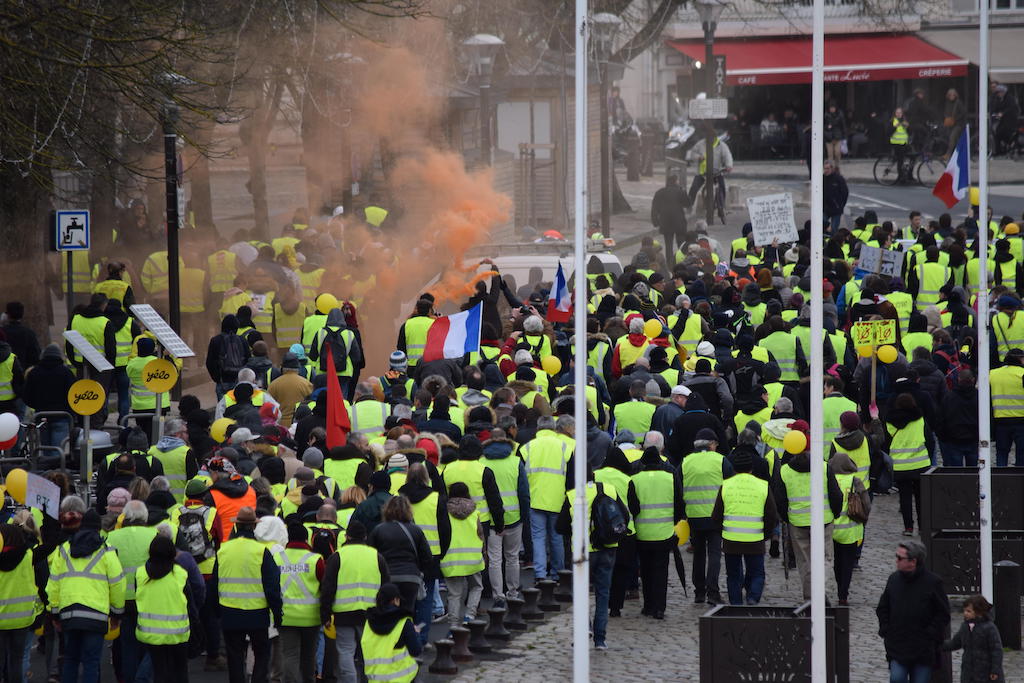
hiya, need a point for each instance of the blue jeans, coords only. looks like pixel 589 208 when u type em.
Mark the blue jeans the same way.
pixel 833 222
pixel 738 580
pixel 958 455
pixel 601 564
pixel 542 529
pixel 82 648
pixel 915 673
pixel 424 614
pixel 1005 434
pixel 136 665
pixel 123 386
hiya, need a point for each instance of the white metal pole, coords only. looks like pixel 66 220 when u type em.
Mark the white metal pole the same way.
pixel 580 521
pixel 984 434
pixel 818 663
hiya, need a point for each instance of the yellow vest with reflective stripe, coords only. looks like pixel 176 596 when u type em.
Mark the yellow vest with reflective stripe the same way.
pixel 740 419
pixel 839 346
pixel 899 133
pixel 142 398
pixel 7 379
pixel 416 337
pixel 545 458
pixel 231 304
pixel 193 294
pixel 424 514
pixel 831 408
pixel 540 345
pixel 908 450
pixel 263 319
pixel 288 326
pixel 19 597
pixel 174 468
pixel 384 658
pixel 300 589
pixel 343 472
pixel 310 326
pixel 223 270
pixel 209 515
pixel 634 416
pixel 1008 329
pixel 691 334
pixel 931 276
pixel 596 356
pixel 163 607
pixel 1007 387
pixel 782 345
pixel 96 581
pixel 904 305
pixel 80 277
pixel 358 578
pixel 702 478
pixel 310 281
pixel 240 575
pixel 470 473
pixel 154 273
pixel 132 546
pixel 591 493
pixel 798 490
pixel 861 457
pixel 123 344
pixel 506 477
pixel 112 289
pixel 465 555
pixel 914 339
pixel 347 337
pixel 743 499
pixel 92 329
pixel 1005 273
pixel 368 417
pixel 655 489
pixel 845 530
pixel 609 476
pixel 629 353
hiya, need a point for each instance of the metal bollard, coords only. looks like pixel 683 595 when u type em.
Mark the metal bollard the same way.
pixel 514 619
pixel 478 643
pixel 460 651
pixel 547 601
pixel 563 591
pixel 496 624
pixel 1006 589
pixel 443 662
pixel 530 610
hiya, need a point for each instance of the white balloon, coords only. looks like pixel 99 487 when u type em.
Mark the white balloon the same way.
pixel 9 425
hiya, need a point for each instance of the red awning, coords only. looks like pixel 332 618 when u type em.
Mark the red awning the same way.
pixel 774 61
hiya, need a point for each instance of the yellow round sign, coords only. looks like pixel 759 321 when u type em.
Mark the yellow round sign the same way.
pixel 86 397
pixel 159 375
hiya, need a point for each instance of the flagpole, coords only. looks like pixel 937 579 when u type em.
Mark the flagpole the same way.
pixel 580 521
pixel 984 430
pixel 818 651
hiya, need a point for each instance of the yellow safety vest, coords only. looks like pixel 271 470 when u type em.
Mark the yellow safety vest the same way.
pixel 743 500
pixel 92 329
pixel 465 555
pixel 634 416
pixel 702 479
pixel 931 277
pixel 1007 387
pixel 263 319
pixel 506 477
pixel 375 215
pixel 19 598
pixel 223 270
pixel 782 345
pixel 288 326
pixel 230 305
pixel 899 133
pixel 80 278
pixel 416 337
pixel 904 304
pixel 908 449
pixel 912 340
pixel 343 472
pixel 310 281
pixel 861 457
pixel 174 468
pixel 209 515
pixel 142 398
pixel 240 575
pixel 123 344
pixel 740 419
pixel 96 581
pixel 163 607
pixel 132 546
pixel 348 337
pixel 154 273
pixel 845 530
pixel 470 473
pixel 424 514
pixel 545 458
pixel 656 491
pixel 831 408
pixel 798 490
pixel 368 416
pixel 279 244
pixel 384 658
pixel 300 589
pixel 112 289
pixel 7 379
pixel 358 578
pixel 756 313
pixel 310 327
pixel 591 493
pixel 629 353
pixel 193 291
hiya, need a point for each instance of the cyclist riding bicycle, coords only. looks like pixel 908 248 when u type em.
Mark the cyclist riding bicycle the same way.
pixel 722 163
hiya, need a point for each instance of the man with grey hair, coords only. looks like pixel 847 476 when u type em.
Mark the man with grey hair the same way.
pixel 259 397
pixel 655 440
pixel 178 460
pixel 546 457
pixel 533 334
pixel 913 615
pixel 636 413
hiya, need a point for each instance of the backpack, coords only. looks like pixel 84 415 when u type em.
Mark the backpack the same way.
pixel 323 541
pixel 608 524
pixel 953 367
pixel 232 354
pixel 858 503
pixel 339 350
pixel 193 537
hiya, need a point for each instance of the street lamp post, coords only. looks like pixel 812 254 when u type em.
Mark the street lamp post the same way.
pixel 482 49
pixel 709 11
pixel 605 26
pixel 170 118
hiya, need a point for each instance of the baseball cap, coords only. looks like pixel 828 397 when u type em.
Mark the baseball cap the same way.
pixel 680 390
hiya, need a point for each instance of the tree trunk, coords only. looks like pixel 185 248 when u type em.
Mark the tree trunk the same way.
pixel 257 153
pixel 202 195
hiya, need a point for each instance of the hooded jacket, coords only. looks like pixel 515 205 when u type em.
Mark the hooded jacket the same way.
pixel 931 381
pixel 218 344
pixel 329 587
pixel 801 462
pixel 382 621
pixel 500 449
pixel 416 493
pixel 696 417
pixel 336 320
pixel 47 384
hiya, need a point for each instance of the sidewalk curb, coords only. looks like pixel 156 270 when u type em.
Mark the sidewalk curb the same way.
pixel 740 175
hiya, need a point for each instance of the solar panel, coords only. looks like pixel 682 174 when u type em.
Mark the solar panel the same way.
pixel 167 337
pixel 88 351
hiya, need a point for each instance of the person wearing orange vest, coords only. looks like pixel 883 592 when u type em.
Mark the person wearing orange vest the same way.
pixel 229 493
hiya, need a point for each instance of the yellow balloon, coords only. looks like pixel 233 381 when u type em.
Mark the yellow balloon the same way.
pixel 17 482
pixel 551 365
pixel 652 328
pixel 887 354
pixel 975 196
pixel 329 631
pixel 683 531
pixel 325 302
pixel 794 442
pixel 864 351
pixel 219 428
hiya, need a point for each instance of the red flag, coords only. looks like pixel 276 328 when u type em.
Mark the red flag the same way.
pixel 338 423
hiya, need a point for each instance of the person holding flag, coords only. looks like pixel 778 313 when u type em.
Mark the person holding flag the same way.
pixel 560 302
pixel 453 336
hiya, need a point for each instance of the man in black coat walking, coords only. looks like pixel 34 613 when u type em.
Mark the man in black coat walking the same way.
pixel 668 214
pixel 913 615
pixel 835 193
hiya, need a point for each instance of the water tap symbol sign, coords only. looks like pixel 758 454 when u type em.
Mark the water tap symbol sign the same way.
pixel 72 230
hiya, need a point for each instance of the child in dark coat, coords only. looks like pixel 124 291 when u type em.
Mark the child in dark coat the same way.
pixel 979 638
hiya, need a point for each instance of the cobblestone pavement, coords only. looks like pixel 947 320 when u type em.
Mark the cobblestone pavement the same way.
pixel 643 649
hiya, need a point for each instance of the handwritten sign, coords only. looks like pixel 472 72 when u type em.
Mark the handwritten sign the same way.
pixel 863 333
pixel 43 494
pixel 885 332
pixel 771 216
pixel 86 397
pixel 878 260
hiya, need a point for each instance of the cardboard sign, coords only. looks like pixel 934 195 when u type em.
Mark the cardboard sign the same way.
pixel 885 332
pixel 881 261
pixel 863 333
pixel 43 494
pixel 772 218
pixel 159 375
pixel 86 397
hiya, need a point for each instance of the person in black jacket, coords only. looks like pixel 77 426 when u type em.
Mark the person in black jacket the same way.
pixel 668 214
pixel 680 442
pixel 982 646
pixel 913 614
pixel 46 389
pixel 22 339
pixel 405 549
pixel 222 348
pixel 835 194
pixel 957 423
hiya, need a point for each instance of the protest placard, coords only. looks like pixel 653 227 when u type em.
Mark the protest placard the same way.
pixel 771 216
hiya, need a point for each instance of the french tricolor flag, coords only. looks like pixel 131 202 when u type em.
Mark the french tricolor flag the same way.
pixel 453 336
pixel 560 303
pixel 954 181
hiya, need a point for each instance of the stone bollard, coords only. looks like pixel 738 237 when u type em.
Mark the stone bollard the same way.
pixel 563 591
pixel 460 651
pixel 514 619
pixel 443 662
pixel 530 610
pixel 496 624
pixel 547 596
pixel 477 642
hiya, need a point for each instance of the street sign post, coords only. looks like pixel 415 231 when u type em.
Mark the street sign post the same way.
pixel 713 108
pixel 72 234
pixel 718 74
pixel 90 356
